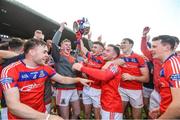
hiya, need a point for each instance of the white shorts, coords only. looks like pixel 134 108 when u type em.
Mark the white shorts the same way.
pixel 147 92
pixel 133 96
pixel 63 97
pixel 155 99
pixel 111 115
pixel 4 114
pixel 91 96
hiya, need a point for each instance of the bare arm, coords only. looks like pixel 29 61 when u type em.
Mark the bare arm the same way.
pixel 22 110
pixel 83 48
pixel 7 54
pixel 19 109
pixel 173 111
pixel 69 80
pixel 143 78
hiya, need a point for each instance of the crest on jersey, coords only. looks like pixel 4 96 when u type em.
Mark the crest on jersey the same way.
pixel 7 80
pixel 175 77
pixel 113 68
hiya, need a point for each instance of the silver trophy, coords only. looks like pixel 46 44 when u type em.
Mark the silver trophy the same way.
pixel 81 26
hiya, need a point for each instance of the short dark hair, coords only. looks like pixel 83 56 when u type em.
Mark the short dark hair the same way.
pixel 167 39
pixel 129 40
pixel 176 39
pixel 16 44
pixel 65 40
pixel 116 49
pixel 99 43
pixel 30 44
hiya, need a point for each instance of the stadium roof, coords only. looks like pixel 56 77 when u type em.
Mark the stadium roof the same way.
pixel 18 20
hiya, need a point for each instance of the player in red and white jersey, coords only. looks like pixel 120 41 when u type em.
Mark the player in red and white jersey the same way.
pixel 163 48
pixel 134 73
pixel 157 64
pixel 23 83
pixel 109 75
pixel 91 94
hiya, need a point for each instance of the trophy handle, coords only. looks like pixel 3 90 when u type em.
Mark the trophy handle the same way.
pixel 75 26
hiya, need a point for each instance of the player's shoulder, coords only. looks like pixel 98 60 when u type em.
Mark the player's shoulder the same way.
pixel 10 68
pixel 13 65
pixel 137 55
pixel 173 61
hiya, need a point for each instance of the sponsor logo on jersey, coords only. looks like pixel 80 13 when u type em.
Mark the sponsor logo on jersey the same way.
pixel 30 87
pixel 133 60
pixel 28 76
pixel 175 77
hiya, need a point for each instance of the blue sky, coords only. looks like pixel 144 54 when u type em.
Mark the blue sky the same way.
pixel 115 19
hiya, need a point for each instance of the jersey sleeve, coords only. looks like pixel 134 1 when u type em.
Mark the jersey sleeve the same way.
pixel 9 77
pixel 50 71
pixel 55 47
pixel 142 62
pixel 100 74
pixel 173 74
pixel 144 48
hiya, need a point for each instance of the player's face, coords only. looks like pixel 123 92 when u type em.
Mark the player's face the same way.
pixel 125 46
pixel 108 53
pixel 66 47
pixel 40 55
pixel 97 49
pixel 157 49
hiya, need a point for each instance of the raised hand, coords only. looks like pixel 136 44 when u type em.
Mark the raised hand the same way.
pixel 146 31
pixel 99 38
pixel 62 26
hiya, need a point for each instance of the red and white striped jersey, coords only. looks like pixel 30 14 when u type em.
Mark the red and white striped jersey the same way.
pixel 29 81
pixel 169 78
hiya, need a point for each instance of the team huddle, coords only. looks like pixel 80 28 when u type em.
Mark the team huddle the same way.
pixel 106 80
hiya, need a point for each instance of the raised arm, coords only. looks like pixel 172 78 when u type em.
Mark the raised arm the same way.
pixel 55 42
pixel 144 47
pixel 57 36
pixel 83 48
